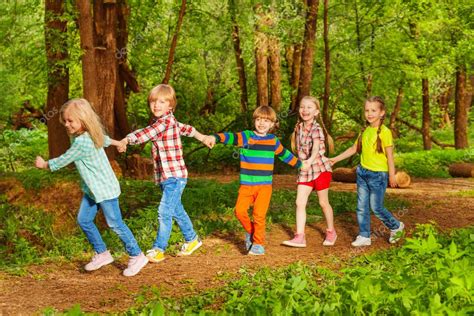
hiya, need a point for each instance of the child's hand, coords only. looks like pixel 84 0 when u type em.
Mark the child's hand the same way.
pixel 41 163
pixel 122 147
pixel 392 181
pixel 209 141
pixel 332 161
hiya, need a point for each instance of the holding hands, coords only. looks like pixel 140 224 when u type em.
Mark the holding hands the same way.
pixel 41 163
pixel 209 141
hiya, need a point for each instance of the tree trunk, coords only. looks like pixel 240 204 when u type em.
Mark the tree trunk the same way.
pixel 261 58
pixel 461 110
pixel 174 42
pixel 295 75
pixel 443 101
pixel 86 31
pixel 275 73
pixel 425 126
pixel 238 58
pixel 304 86
pixel 396 110
pixel 327 72
pixel 58 75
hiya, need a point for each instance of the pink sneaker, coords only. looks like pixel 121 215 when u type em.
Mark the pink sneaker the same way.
pixel 331 237
pixel 135 264
pixel 99 260
pixel 298 241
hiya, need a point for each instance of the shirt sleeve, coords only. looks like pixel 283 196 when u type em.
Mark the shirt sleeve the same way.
pixel 236 139
pixel 286 156
pixel 148 133
pixel 75 152
pixel 186 130
pixel 386 137
pixel 107 141
pixel 318 134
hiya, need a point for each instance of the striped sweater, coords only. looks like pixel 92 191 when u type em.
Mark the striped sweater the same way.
pixel 257 155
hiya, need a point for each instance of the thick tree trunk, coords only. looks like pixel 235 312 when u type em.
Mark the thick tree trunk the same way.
pixel 174 42
pixel 87 34
pixel 327 66
pixel 425 126
pixel 443 101
pixel 275 73
pixel 396 111
pixel 461 110
pixel 261 58
pixel 58 75
pixel 304 86
pixel 238 58
pixel 295 75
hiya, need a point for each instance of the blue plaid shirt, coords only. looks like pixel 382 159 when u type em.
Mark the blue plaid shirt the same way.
pixel 98 180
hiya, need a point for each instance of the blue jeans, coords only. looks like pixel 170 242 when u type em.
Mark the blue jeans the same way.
pixel 113 216
pixel 171 207
pixel 371 186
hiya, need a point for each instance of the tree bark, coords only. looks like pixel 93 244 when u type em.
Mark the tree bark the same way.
pixel 327 65
pixel 275 73
pixel 396 111
pixel 174 42
pixel 443 101
pixel 425 126
pixel 261 59
pixel 238 58
pixel 295 75
pixel 58 75
pixel 461 110
pixel 304 86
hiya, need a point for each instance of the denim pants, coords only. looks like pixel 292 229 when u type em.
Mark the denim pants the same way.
pixel 111 209
pixel 171 208
pixel 371 186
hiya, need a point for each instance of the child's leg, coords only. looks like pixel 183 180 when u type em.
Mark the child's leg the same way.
pixel 302 195
pixel 113 216
pixel 85 219
pixel 323 197
pixel 363 210
pixel 171 193
pixel 244 199
pixel 260 208
pixel 378 185
pixel 182 218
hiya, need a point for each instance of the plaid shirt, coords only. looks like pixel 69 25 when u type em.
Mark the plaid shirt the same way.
pixel 166 150
pixel 98 180
pixel 304 145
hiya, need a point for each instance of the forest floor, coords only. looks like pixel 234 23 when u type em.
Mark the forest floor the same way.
pixel 62 285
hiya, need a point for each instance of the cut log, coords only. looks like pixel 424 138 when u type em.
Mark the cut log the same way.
pixel 139 167
pixel 403 179
pixel 464 170
pixel 347 175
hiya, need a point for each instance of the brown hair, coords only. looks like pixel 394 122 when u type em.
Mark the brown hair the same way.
pixel 82 110
pixel 298 122
pixel 381 104
pixel 265 112
pixel 164 91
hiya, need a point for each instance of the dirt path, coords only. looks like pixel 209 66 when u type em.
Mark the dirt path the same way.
pixel 63 285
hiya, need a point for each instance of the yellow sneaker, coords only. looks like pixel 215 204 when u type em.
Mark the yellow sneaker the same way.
pixel 190 247
pixel 155 255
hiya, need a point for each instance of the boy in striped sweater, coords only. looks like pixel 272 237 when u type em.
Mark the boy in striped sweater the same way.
pixel 257 152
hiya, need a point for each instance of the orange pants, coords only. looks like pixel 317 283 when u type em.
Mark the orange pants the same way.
pixel 259 196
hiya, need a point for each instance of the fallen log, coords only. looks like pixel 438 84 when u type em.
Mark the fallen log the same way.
pixel 463 170
pixel 347 175
pixel 403 179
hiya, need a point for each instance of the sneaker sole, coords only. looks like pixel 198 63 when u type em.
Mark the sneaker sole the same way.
pixel 184 254
pixel 256 254
pixel 151 259
pixel 364 245
pixel 97 268
pixel 290 244
pixel 142 266
pixel 329 243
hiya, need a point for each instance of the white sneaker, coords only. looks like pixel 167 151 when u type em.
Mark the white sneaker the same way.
pixel 135 264
pixel 396 234
pixel 99 260
pixel 361 241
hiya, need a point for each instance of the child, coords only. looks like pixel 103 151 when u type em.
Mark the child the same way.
pixel 309 140
pixel 99 184
pixel 170 171
pixel 258 149
pixel 377 165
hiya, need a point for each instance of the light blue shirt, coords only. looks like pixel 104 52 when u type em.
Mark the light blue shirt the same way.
pixel 98 180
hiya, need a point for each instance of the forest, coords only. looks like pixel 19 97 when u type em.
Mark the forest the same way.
pixel 224 59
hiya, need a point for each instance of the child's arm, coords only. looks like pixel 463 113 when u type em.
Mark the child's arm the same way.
pixel 391 166
pixel 346 154
pixel 72 154
pixel 314 151
pixel 146 134
pixel 190 131
pixel 287 157
pixel 236 139
pixel 121 147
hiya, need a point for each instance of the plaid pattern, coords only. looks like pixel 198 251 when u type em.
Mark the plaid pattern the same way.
pixel 98 180
pixel 166 150
pixel 304 144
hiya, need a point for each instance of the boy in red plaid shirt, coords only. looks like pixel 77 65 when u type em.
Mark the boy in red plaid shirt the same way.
pixel 309 140
pixel 170 171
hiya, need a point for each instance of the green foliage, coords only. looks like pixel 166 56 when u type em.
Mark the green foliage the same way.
pixel 432 163
pixel 430 274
